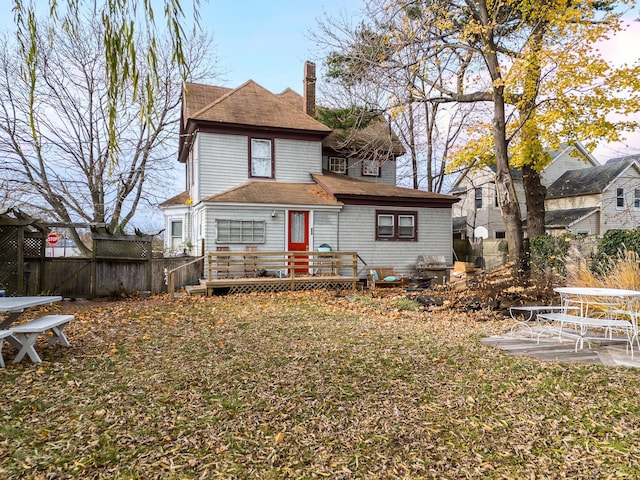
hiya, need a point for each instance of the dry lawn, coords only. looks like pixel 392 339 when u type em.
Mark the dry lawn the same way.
pixel 307 385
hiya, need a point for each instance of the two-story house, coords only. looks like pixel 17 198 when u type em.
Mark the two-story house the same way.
pixel 590 201
pixel 477 215
pixel 262 172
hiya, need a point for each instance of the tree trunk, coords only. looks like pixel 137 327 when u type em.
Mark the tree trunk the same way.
pixel 534 193
pixel 505 188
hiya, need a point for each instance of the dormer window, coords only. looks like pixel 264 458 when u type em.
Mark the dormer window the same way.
pixel 338 165
pixel 370 168
pixel 261 158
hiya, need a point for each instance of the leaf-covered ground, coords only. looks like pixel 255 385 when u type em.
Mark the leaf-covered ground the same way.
pixel 307 385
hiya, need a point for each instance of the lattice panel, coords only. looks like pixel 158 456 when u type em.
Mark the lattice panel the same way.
pixel 123 248
pixel 9 259
pixel 33 247
pixel 284 287
pixel 8 243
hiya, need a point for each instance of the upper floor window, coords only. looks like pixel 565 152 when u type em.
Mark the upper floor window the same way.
pixel 636 199
pixel 261 158
pixel 478 197
pixel 338 165
pixel 619 197
pixel 370 168
pixel 396 225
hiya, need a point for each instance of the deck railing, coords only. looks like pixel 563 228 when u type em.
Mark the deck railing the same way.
pixel 285 265
pixel 183 275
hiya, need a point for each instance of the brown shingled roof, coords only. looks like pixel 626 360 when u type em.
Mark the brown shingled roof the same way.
pixel 178 200
pixel 276 193
pixel 292 97
pixel 253 105
pixel 196 96
pixel 343 187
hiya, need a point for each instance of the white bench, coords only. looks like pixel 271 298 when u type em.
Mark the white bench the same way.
pixel 3 334
pixel 524 314
pixel 27 333
pixel 583 328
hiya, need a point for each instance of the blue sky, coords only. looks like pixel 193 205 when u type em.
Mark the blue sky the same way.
pixel 268 41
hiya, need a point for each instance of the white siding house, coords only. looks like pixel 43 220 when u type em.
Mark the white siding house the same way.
pixel 262 172
pixel 477 214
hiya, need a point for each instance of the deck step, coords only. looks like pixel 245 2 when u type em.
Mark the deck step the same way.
pixel 196 290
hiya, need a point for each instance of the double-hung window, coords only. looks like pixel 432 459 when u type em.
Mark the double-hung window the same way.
pixel 370 168
pixel 619 197
pixel 636 199
pixel 261 158
pixel 176 234
pixel 396 225
pixel 478 198
pixel 338 165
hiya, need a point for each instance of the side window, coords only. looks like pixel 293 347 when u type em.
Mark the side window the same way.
pixel 370 168
pixel 619 197
pixel 176 234
pixel 636 199
pixel 261 158
pixel 338 165
pixel 396 225
pixel 478 197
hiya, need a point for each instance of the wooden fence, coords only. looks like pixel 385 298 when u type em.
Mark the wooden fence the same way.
pixel 87 278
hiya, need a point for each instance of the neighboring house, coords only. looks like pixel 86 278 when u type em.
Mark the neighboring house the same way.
pixel 262 172
pixel 477 215
pixel 591 201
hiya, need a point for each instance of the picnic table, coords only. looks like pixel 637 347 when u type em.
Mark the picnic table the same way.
pixel 23 336
pixel 15 306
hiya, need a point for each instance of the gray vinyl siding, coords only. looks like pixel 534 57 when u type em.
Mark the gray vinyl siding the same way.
pixel 622 218
pixel 274 227
pixel 357 233
pixel 591 224
pixel 296 160
pixel 354 170
pixel 325 229
pixel 223 162
pixel 563 162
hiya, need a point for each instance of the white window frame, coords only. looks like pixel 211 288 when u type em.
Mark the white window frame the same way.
pixel 175 240
pixel 338 165
pixel 370 168
pixel 636 198
pixel 240 231
pixel 255 161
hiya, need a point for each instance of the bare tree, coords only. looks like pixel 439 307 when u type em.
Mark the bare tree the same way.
pixel 55 135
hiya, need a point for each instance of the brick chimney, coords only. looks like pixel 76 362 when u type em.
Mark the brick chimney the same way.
pixel 309 88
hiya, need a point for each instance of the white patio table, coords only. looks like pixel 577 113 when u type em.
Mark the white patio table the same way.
pixel 15 306
pixel 590 298
pixel 598 308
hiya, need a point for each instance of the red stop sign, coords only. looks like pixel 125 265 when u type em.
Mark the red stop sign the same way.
pixel 52 238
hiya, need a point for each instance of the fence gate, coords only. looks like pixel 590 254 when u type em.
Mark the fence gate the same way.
pixel 21 244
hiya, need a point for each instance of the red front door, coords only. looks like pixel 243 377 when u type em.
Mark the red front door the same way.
pixel 299 237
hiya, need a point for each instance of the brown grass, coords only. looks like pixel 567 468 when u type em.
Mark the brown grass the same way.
pixel 307 385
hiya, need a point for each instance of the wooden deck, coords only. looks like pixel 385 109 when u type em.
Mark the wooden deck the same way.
pixel 552 349
pixel 251 271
